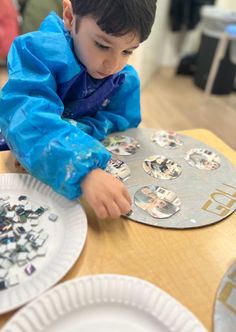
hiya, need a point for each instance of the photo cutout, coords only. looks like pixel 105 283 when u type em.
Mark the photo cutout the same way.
pixel 121 145
pixel 119 169
pixel 157 201
pixel 161 167
pixel 167 139
pixel 203 159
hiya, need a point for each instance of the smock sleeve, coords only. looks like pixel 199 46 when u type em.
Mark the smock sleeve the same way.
pixel 122 110
pixel 48 147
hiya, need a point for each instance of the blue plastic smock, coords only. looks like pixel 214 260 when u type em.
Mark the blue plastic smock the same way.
pixel 53 114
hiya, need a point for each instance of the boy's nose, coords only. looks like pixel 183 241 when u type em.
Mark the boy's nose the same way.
pixel 111 65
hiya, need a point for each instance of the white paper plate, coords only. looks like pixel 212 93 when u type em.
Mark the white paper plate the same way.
pixel 104 303
pixel 66 238
pixel 225 303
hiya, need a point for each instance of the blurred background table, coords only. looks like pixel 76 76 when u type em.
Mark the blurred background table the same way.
pixel 188 264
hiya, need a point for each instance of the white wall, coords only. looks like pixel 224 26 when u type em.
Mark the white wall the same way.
pixel 229 4
pixel 148 58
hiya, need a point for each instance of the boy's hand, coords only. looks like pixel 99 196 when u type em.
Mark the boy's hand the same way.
pixel 106 195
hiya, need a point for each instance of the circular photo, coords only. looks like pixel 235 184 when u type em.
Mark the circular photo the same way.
pixel 121 145
pixel 161 167
pixel 203 159
pixel 167 139
pixel 157 201
pixel 119 169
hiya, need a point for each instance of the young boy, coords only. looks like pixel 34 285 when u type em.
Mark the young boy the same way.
pixel 69 87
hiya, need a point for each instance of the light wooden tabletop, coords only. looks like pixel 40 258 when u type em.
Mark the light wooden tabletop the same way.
pixel 188 264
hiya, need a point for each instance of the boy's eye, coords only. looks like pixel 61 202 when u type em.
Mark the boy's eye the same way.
pixel 128 52
pixel 103 47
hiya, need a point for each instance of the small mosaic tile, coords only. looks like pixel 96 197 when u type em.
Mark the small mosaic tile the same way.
pixel 22 198
pixel 3 285
pixel 41 251
pixel 3 273
pixel 12 280
pixel 53 217
pixel 30 269
pixel 32 254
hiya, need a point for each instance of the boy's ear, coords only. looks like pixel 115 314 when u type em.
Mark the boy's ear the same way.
pixel 68 15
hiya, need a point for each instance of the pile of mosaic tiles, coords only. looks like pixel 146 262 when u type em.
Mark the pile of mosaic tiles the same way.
pixel 22 238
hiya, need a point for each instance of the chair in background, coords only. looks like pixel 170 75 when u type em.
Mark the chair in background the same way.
pixel 227 36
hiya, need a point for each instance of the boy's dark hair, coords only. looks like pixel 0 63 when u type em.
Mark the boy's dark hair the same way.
pixel 118 17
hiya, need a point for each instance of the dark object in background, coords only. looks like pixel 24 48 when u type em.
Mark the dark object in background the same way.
pixel 224 82
pixel 187 65
pixel 186 13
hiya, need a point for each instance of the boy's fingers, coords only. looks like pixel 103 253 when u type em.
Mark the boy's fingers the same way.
pixel 101 211
pixel 113 210
pixel 127 195
pixel 124 205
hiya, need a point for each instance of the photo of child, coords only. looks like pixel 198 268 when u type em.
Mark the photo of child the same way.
pixel 203 159
pixel 119 169
pixel 121 145
pixel 167 139
pixel 161 167
pixel 157 201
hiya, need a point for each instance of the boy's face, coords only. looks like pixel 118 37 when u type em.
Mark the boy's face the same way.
pixel 102 54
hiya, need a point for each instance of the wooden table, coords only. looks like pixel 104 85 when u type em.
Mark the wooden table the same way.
pixel 188 264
